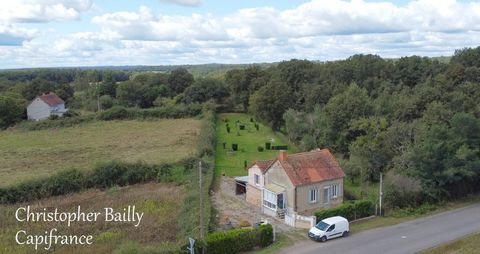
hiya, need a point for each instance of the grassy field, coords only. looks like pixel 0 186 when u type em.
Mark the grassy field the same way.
pixel 467 245
pixel 159 202
pixel 232 163
pixel 30 154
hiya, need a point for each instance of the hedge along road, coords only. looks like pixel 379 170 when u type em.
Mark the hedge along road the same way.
pixel 408 237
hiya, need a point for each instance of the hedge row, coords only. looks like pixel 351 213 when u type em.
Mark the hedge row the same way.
pixel 116 113
pixel 72 180
pixel 239 240
pixel 351 210
pixel 175 111
pixel 55 123
pixel 189 218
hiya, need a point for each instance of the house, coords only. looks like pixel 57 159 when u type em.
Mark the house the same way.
pixel 44 106
pixel 295 185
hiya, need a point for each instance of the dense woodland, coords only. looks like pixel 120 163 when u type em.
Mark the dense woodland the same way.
pixel 415 119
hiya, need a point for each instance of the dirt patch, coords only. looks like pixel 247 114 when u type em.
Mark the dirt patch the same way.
pixel 233 209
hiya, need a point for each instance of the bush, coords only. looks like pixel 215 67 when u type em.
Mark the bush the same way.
pixel 59 123
pixel 234 147
pixel 266 235
pixel 278 147
pixel 113 113
pixel 244 224
pixel 239 240
pixel 207 137
pixel 260 148
pixel 267 145
pixel 121 173
pixel 350 210
pixel 61 183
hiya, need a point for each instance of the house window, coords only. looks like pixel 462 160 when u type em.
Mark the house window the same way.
pixel 256 179
pixel 269 199
pixel 313 195
pixel 334 190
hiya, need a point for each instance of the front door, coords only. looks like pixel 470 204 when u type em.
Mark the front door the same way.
pixel 280 203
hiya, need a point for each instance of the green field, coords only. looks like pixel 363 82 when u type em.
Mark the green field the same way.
pixel 232 163
pixel 32 154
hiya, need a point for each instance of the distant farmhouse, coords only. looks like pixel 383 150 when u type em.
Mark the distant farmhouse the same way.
pixel 294 186
pixel 44 106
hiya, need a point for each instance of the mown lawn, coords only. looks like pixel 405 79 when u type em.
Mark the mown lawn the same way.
pixel 467 245
pixel 160 203
pixel 31 154
pixel 232 163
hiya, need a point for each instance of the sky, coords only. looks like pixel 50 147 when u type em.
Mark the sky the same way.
pixel 64 33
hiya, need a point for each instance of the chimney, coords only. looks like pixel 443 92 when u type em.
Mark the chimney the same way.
pixel 282 156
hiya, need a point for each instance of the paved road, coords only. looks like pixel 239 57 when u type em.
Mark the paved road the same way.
pixel 408 237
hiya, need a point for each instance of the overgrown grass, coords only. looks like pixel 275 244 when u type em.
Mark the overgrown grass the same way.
pixel 36 154
pixel 231 163
pixel 466 245
pixel 158 229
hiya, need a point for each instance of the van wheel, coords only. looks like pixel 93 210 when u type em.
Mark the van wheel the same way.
pixel 345 234
pixel 323 239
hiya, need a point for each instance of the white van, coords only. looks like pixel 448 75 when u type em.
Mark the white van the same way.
pixel 329 228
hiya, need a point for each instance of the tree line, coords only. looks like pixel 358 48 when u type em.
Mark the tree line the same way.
pixel 415 119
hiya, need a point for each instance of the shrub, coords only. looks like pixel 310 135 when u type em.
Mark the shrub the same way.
pixel 121 173
pixel 234 147
pixel 351 210
pixel 228 129
pixel 244 224
pixel 113 113
pixel 267 145
pixel 239 240
pixel 260 148
pixel 232 241
pixel 266 235
pixel 206 141
pixel 59 123
pixel 242 127
pixel 61 183
pixel 53 117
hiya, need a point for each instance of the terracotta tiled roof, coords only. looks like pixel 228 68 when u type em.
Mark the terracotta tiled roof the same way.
pixel 264 165
pixel 311 167
pixel 51 99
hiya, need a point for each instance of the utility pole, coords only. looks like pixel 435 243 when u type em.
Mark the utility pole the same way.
pixel 381 194
pixel 201 201
pixel 98 96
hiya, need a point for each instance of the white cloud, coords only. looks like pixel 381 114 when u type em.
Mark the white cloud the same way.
pixel 33 11
pixel 183 2
pixel 316 30
pixel 12 35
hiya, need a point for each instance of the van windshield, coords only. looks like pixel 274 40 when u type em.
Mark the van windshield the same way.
pixel 322 226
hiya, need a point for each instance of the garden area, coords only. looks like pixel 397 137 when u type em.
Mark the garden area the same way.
pixel 241 140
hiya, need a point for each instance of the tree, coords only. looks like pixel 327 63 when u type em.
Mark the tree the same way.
pixel 12 107
pixel 179 80
pixel 270 103
pixel 205 89
pixel 133 94
pixel 108 86
pixel 447 159
pixel 343 108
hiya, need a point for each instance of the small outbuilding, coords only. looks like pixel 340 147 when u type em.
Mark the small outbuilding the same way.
pixel 44 106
